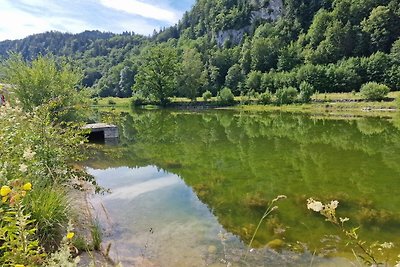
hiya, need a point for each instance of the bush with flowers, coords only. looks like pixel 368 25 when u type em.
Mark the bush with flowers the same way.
pixel 37 158
pixel 18 240
pixel 39 148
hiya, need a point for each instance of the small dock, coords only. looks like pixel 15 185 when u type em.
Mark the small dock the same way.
pixel 102 131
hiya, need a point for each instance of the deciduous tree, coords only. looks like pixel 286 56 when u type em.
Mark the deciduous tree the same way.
pixel 157 72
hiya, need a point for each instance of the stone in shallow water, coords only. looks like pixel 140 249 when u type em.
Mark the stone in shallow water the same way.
pixel 276 244
pixel 212 249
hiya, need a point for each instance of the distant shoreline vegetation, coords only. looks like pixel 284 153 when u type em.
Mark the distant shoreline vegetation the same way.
pixel 352 103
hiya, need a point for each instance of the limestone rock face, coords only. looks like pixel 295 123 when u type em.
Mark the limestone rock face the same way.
pixel 233 36
pixel 271 12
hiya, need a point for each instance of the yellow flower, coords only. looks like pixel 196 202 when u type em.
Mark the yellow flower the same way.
pixel 19 265
pixel 5 190
pixel 27 187
pixel 70 235
pixel 4 199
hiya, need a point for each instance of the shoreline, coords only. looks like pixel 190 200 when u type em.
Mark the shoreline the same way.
pixel 321 103
pixel 344 109
pixel 83 222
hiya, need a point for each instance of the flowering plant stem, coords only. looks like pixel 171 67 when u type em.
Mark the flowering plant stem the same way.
pixel 267 212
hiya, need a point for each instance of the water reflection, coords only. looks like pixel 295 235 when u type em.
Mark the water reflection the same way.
pixel 152 218
pixel 236 162
pixel 155 217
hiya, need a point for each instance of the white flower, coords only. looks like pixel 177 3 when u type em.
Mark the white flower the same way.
pixel 342 220
pixel 279 198
pixel 23 168
pixel 29 154
pixel 334 204
pixel 314 205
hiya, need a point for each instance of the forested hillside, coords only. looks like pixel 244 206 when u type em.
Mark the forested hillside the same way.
pixel 99 54
pixel 245 45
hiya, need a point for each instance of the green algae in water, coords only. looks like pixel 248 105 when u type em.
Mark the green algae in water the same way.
pixel 237 162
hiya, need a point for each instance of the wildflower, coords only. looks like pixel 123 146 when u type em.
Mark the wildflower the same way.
pixel 274 208
pixel 279 198
pixel 4 199
pixel 5 190
pixel 23 168
pixel 70 235
pixel 27 187
pixel 15 199
pixel 342 220
pixel 333 205
pixel 29 154
pixel 314 205
pixel 19 265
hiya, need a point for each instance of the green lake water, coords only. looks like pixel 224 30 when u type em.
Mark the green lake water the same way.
pixel 188 188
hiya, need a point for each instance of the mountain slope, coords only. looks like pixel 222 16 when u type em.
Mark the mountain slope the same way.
pixel 248 45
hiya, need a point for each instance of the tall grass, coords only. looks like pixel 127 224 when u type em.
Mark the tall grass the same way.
pixel 96 235
pixel 50 209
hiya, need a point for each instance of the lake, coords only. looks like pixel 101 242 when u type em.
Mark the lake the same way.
pixel 189 188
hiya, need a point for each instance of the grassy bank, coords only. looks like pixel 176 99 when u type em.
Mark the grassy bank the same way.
pixel 336 103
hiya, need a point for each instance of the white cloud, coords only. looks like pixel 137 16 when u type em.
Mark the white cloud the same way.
pixel 20 18
pixel 18 24
pixel 142 9
pixel 137 25
pixel 132 191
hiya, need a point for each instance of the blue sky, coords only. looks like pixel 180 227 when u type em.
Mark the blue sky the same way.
pixel 20 18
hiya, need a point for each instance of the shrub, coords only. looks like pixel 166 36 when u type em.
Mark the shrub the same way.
pixel 44 80
pixel 37 149
pixel 374 91
pixel 250 97
pixel 138 100
pixel 225 96
pixel 265 98
pixel 306 91
pixel 207 95
pixel 286 95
